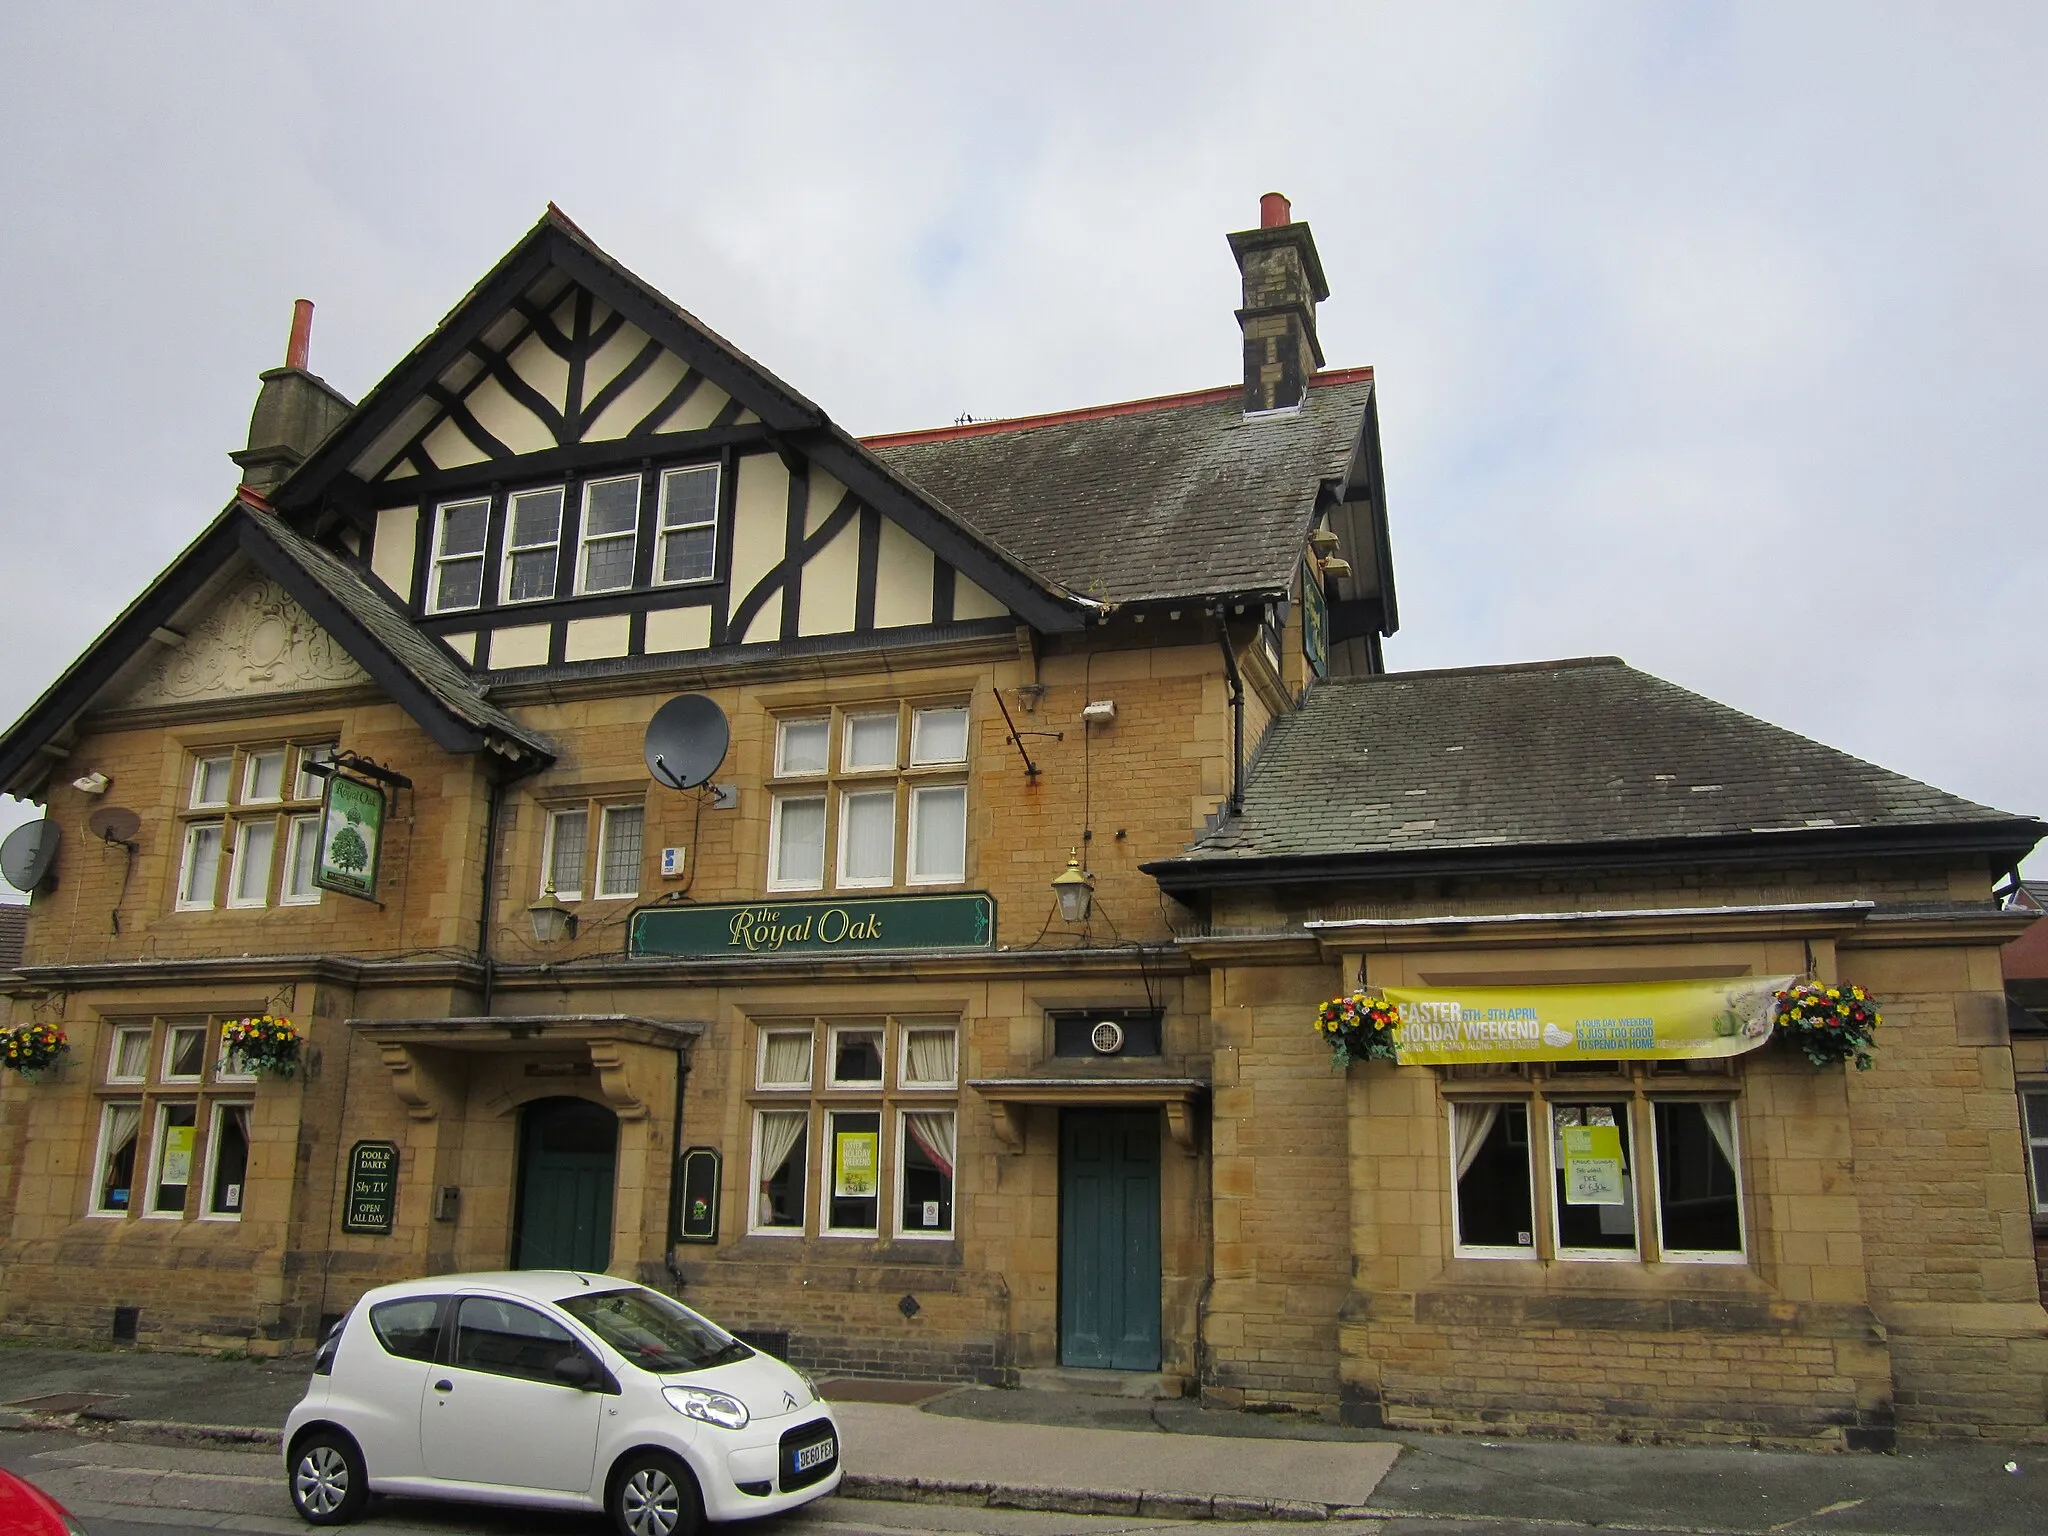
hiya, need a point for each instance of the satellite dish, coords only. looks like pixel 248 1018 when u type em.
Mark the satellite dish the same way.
pixel 28 853
pixel 686 741
pixel 114 824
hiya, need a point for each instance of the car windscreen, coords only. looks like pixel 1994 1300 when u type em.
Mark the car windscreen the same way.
pixel 653 1332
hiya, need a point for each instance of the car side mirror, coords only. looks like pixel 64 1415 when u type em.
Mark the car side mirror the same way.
pixel 575 1371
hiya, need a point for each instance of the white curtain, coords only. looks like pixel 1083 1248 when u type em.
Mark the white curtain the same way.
pixel 123 1122
pixel 932 1129
pixel 869 833
pixel 787 1059
pixel 780 1132
pixel 931 1056
pixel 1471 1125
pixel 1720 1117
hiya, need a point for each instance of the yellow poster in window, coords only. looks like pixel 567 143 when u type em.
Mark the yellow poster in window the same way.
pixel 854 1156
pixel 177 1155
pixel 1624 1021
pixel 1592 1165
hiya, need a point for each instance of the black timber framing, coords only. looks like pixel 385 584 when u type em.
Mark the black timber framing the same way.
pixel 468 479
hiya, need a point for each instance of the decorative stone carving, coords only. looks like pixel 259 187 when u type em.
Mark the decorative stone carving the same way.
pixel 257 640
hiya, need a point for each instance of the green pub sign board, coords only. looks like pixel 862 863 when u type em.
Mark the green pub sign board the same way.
pixel 1315 624
pixel 372 1199
pixel 351 837
pixel 878 925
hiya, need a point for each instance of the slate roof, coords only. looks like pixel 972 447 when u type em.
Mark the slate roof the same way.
pixel 1149 501
pixel 1565 754
pixel 13 933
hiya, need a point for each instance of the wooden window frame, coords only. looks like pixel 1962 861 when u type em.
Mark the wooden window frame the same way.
pixel 510 550
pixel 904 1233
pixel 245 827
pixel 755 1176
pixel 1459 1247
pixel 585 539
pixel 547 852
pixel 215 1109
pixel 102 1152
pixel 430 603
pixel 188 864
pixel 663 528
pixel 605 813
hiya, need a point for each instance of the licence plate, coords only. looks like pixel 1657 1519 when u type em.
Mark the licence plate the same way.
pixel 816 1455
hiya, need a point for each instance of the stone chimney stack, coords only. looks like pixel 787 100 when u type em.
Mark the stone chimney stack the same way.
pixel 294 411
pixel 1283 283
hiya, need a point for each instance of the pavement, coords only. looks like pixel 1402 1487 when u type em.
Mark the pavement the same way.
pixel 1176 1461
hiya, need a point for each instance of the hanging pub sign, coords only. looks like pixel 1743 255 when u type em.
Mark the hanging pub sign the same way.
pixel 351 837
pixel 699 1223
pixel 1315 623
pixel 1621 1021
pixel 371 1200
pixel 877 925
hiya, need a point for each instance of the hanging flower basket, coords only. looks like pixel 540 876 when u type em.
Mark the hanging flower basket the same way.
pixel 267 1044
pixel 1827 1024
pixel 31 1049
pixel 1358 1028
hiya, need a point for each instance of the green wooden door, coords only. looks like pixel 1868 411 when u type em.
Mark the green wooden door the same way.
pixel 1109 1239
pixel 568 1156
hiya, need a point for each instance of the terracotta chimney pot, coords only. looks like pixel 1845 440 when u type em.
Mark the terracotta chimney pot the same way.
pixel 299 351
pixel 1274 211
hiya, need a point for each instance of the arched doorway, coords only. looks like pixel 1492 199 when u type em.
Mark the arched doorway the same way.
pixel 568 1158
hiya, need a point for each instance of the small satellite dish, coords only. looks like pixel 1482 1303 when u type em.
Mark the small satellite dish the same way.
pixel 28 853
pixel 686 741
pixel 114 824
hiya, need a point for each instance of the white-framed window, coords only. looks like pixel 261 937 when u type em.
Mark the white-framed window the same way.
pixel 263 777
pixel 1493 1208
pixel 227 1161
pixel 301 862
pixel 796 842
pixel 227 1065
pixel 802 747
pixel 2034 1105
pixel 255 847
pixel 688 546
pixel 620 831
pixel 938 736
pixel 307 785
pixel 853 1172
pixel 611 527
pixel 562 860
pixel 870 742
pixel 533 545
pixel 113 1179
pixel 781 1161
pixel 128 1056
pixel 210 779
pixel 1699 1181
pixel 173 1150
pixel 930 1057
pixel 199 870
pixel 867 837
pixel 938 834
pixel 184 1053
pixel 856 1056
pixel 924 1173
pixel 455 580
pixel 1593 1174
pixel 785 1059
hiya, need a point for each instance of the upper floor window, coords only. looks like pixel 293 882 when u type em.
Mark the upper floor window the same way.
pixel 861 814
pixel 611 525
pixel 567 866
pixel 689 525
pixel 456 580
pixel 251 828
pixel 2034 1100
pixel 533 543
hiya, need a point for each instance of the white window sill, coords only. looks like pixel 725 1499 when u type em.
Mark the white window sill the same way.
pixel 1517 1255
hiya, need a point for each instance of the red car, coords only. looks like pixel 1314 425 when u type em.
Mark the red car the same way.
pixel 25 1510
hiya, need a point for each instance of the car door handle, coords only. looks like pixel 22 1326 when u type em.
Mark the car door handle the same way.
pixel 444 1385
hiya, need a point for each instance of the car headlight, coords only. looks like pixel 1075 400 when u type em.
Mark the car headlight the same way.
pixel 719 1408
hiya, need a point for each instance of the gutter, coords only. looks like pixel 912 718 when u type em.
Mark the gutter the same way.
pixel 1236 681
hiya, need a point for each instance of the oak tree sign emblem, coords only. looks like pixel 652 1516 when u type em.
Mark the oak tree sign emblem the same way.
pixel 351 837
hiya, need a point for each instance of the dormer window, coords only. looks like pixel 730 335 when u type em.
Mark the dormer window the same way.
pixel 688 546
pixel 611 519
pixel 533 542
pixel 457 579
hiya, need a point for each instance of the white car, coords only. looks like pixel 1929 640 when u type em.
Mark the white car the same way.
pixel 554 1390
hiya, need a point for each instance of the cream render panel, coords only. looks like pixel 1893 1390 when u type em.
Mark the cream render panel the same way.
pixel 598 638
pixel 393 546
pixel 678 629
pixel 760 528
pixel 697 412
pixel 546 374
pixel 525 646
pixel 637 399
pixel 830 579
pixel 903 580
pixel 826 494
pixel 463 645
pixel 507 420
pixel 450 448
pixel 970 602
pixel 606 363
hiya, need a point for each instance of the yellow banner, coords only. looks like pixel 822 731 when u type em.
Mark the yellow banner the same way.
pixel 1626 1021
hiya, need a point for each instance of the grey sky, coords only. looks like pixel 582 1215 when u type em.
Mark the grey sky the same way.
pixel 1709 335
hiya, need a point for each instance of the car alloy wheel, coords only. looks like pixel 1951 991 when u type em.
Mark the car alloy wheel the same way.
pixel 655 1497
pixel 327 1480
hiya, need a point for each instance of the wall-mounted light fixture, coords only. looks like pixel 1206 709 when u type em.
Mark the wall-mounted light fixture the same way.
pixel 1335 568
pixel 1323 542
pixel 1075 890
pixel 552 922
pixel 91 784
